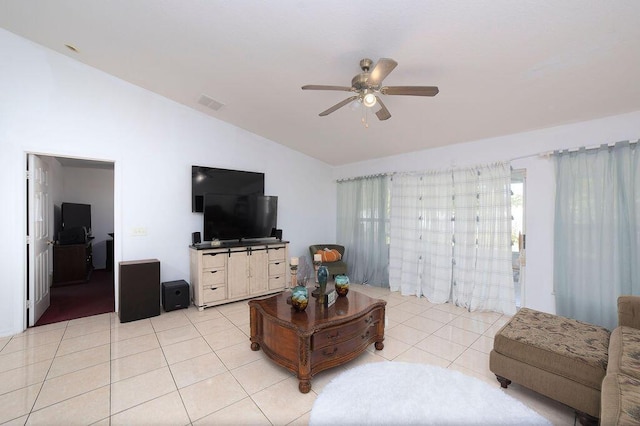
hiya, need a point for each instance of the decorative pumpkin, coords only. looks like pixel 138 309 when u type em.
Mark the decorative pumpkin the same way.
pixel 329 255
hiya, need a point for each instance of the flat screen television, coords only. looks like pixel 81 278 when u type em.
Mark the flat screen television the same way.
pixel 222 181
pixel 239 217
pixel 76 215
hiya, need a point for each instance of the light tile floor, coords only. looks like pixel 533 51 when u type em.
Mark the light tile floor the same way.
pixel 188 367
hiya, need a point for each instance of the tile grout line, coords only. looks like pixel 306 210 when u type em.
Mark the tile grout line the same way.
pixel 31 410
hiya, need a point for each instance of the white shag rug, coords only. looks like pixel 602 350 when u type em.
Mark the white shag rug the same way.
pixel 400 393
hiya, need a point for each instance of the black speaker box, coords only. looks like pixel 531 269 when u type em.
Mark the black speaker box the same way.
pixel 139 289
pixel 276 233
pixel 175 295
pixel 195 238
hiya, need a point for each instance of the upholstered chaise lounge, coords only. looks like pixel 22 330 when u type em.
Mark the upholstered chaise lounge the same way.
pixel 567 360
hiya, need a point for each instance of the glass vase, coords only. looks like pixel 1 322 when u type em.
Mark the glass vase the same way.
pixel 323 276
pixel 342 285
pixel 299 298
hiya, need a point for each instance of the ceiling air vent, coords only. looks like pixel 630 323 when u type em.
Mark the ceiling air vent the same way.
pixel 210 102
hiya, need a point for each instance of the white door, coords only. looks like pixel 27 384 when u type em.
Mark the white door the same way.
pixel 39 237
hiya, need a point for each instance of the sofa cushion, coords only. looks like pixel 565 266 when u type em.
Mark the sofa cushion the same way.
pixel 624 351
pixel 620 400
pixel 563 346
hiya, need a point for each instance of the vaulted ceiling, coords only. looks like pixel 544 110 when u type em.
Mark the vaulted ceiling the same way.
pixel 502 66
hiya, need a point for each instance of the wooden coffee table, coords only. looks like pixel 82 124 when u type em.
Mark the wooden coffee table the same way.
pixel 318 338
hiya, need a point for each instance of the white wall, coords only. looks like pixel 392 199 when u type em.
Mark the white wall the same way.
pixel 52 105
pixel 94 187
pixel 540 189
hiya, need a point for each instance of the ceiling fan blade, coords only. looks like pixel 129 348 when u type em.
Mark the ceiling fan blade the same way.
pixel 383 113
pixel 338 105
pixel 410 90
pixel 321 87
pixel 382 69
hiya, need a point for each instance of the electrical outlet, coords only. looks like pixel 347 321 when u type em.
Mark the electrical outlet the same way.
pixel 139 232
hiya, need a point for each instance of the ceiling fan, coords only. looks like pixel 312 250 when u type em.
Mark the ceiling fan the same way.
pixel 368 84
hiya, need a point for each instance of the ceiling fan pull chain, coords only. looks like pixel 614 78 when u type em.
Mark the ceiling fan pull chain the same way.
pixel 364 120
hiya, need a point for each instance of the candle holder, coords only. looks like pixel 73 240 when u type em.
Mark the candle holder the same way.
pixel 316 266
pixel 293 269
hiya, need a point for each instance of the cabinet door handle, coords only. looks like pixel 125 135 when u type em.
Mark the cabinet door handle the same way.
pixel 211 254
pixel 369 320
pixel 214 288
pixel 327 352
pixel 366 335
pixel 213 272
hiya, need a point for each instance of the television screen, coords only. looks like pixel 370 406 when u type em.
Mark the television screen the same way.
pixel 76 216
pixel 222 181
pixel 237 217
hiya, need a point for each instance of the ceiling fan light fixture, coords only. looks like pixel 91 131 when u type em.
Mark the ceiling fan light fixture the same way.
pixel 369 99
pixel 367 85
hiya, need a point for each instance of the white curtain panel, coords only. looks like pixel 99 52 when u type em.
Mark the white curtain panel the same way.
pixel 465 236
pixel 437 236
pixel 406 245
pixel 493 288
pixel 421 232
pixel 597 231
pixel 451 237
pixel 362 224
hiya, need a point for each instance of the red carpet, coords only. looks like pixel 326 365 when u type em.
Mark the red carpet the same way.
pixel 81 300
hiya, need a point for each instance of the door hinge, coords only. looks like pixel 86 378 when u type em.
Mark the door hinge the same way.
pixel 29 304
pixel 29 239
pixel 28 174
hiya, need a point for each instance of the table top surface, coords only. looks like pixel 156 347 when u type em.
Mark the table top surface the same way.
pixel 235 244
pixel 316 314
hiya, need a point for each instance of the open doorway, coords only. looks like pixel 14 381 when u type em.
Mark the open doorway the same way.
pixel 79 212
pixel 518 234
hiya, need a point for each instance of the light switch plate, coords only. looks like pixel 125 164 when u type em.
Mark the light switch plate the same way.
pixel 139 231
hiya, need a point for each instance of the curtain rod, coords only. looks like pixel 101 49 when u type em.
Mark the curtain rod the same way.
pixel 419 172
pixel 548 154
pixel 364 177
pixel 544 154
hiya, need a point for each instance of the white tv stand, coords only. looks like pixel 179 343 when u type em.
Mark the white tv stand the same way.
pixel 237 271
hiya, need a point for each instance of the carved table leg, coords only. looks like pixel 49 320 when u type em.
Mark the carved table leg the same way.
pixel 380 332
pixel 255 346
pixel 304 386
pixel 304 364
